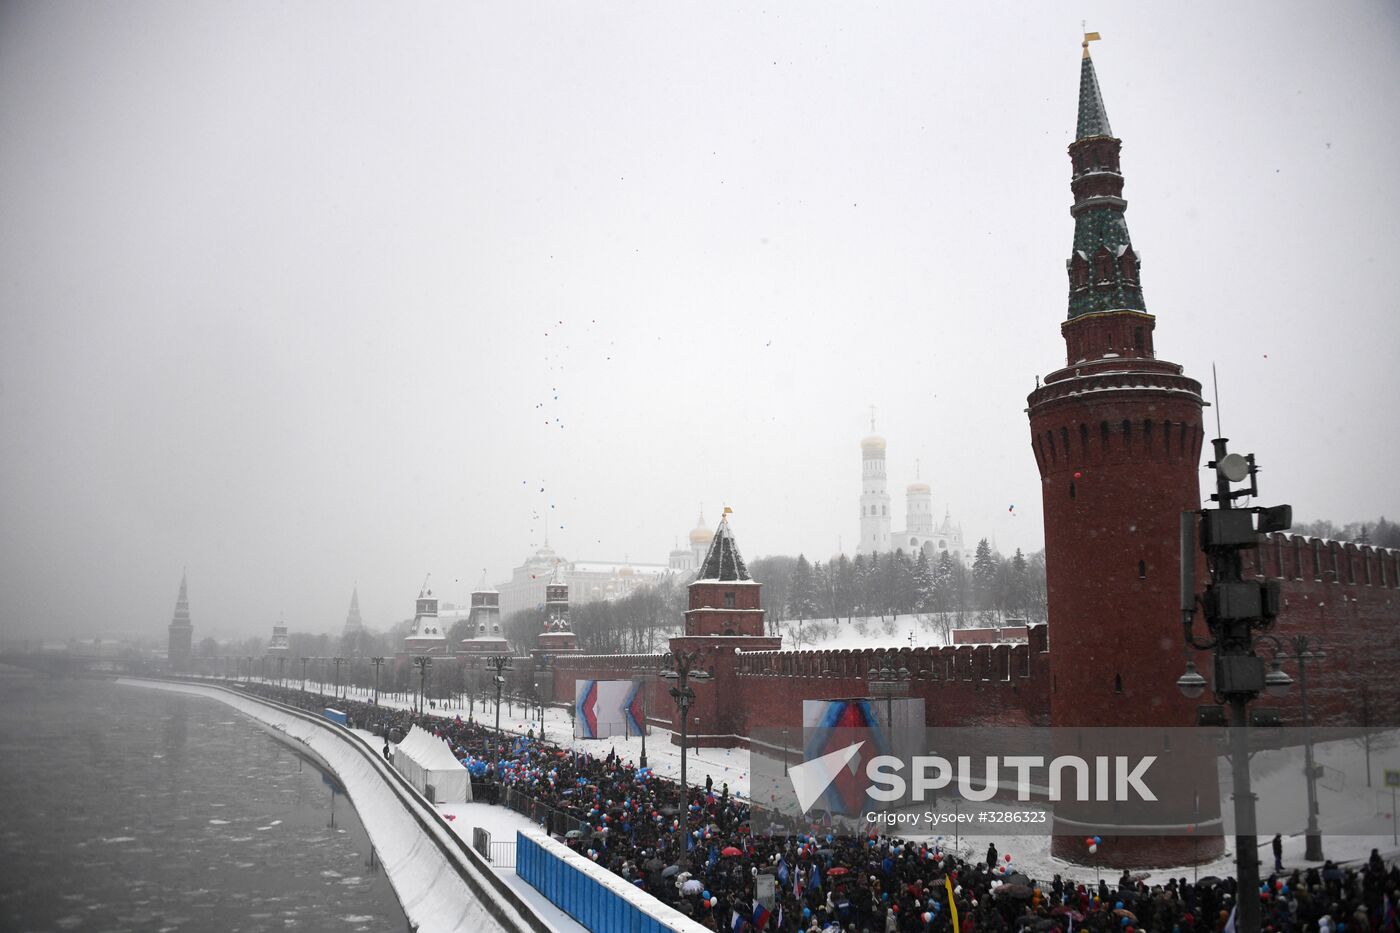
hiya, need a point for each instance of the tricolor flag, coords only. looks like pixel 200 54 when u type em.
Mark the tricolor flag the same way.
pixel 760 915
pixel 736 923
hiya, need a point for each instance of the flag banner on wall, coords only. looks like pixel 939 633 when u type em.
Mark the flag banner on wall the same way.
pixel 605 709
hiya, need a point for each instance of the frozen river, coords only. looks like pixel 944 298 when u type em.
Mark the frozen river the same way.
pixel 154 811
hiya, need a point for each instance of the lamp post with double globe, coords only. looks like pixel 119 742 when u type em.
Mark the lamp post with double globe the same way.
pixel 682 667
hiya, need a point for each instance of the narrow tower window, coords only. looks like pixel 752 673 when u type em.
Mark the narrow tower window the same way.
pixel 1117 683
pixel 1073 493
pixel 1142 570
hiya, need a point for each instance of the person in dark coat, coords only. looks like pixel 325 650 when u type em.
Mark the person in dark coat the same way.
pixel 991 855
pixel 1278 852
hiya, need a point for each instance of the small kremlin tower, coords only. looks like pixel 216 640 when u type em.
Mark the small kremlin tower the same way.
pixel 724 599
pixel 426 636
pixel 1117 438
pixel 181 632
pixel 353 625
pixel 557 638
pixel 279 647
pixel 485 635
pixel 725 617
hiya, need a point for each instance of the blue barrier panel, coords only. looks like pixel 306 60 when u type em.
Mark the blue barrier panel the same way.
pixel 592 895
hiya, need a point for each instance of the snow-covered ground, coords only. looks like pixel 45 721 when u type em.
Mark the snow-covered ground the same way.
pixel 503 823
pixel 906 631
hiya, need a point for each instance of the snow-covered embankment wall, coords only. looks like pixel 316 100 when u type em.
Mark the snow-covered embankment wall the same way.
pixel 442 884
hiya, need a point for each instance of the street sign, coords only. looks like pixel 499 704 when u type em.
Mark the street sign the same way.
pixel 1392 778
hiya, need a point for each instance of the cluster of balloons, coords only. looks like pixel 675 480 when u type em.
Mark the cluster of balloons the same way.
pixel 1093 842
pixel 707 901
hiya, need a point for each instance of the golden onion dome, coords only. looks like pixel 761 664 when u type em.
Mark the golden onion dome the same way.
pixel 917 488
pixel 701 534
pixel 873 442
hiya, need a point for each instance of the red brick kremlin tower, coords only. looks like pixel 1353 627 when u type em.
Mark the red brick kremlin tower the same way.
pixel 724 617
pixel 1117 436
pixel 181 631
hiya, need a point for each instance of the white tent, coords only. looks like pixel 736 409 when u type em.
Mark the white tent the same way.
pixel 427 762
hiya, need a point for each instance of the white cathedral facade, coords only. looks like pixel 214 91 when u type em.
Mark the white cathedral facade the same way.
pixel 920 533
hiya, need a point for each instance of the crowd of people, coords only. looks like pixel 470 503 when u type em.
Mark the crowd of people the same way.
pixel 704 858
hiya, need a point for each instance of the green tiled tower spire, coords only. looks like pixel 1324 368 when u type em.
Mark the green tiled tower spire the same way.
pixel 1103 269
pixel 1093 118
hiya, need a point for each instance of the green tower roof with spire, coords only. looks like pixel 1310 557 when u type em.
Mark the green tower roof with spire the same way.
pixel 1104 267
pixel 1093 118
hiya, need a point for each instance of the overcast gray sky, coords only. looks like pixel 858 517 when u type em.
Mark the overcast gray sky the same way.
pixel 306 294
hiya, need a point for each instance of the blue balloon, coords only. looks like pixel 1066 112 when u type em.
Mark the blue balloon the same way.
pixel 806 913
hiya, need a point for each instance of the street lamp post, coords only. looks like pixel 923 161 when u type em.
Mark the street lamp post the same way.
pixel 642 686
pixel 304 661
pixel 338 661
pixel 377 662
pixel 1233 608
pixel 1303 650
pixel 681 668
pixel 423 663
pixel 500 663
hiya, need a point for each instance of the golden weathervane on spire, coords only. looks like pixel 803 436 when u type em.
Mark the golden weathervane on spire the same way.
pixel 1088 37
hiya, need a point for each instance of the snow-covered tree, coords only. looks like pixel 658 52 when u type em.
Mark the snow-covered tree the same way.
pixel 984 578
pixel 802 591
pixel 923 583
